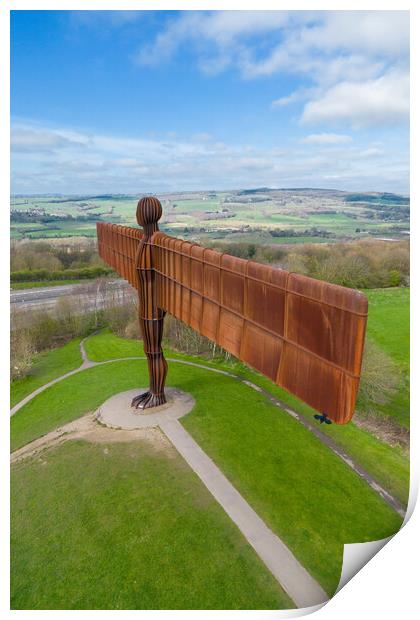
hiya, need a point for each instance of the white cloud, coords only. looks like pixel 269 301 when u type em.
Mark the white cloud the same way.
pixel 335 45
pixel 349 60
pixel 220 28
pixel 382 101
pixel 108 163
pixel 326 138
pixel 373 32
pixel 298 37
pixel 32 139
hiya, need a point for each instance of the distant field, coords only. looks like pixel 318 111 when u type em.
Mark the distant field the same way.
pixel 215 215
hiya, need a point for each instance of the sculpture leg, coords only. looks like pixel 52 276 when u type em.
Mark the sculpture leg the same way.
pixel 152 335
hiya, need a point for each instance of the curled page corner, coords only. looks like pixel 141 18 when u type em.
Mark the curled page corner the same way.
pixel 356 556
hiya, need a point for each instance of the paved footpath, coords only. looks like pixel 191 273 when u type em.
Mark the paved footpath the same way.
pixel 290 574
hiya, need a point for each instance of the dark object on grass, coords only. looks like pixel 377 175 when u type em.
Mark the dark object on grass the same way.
pixel 322 418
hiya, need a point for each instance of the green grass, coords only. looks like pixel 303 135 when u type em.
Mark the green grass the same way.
pixel 389 322
pixel 124 526
pixel 389 327
pixel 72 397
pixel 389 465
pixel 303 491
pixel 106 346
pixel 18 286
pixel 46 366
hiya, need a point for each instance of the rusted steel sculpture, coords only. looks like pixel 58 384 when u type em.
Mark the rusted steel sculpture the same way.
pixel 304 334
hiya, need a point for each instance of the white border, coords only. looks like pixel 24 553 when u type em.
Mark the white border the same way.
pixel 387 586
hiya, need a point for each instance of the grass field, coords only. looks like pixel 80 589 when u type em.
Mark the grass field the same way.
pixel 389 328
pixel 271 459
pixel 127 526
pixel 298 486
pixel 108 346
pixel 389 322
pixel 46 366
pixel 388 464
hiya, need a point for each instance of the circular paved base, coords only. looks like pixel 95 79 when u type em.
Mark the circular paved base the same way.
pixel 117 412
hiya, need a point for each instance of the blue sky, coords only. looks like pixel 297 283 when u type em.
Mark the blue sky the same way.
pixel 127 101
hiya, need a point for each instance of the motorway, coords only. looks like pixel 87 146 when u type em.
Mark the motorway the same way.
pixel 89 295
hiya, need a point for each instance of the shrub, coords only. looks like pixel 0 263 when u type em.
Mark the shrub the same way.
pixel 367 263
pixel 120 313
pixel 395 277
pixel 37 275
pixel 21 353
pixel 35 331
pixel 183 338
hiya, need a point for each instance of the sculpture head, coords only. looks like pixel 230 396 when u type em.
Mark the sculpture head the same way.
pixel 149 212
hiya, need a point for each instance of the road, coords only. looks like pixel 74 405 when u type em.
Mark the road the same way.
pixel 89 295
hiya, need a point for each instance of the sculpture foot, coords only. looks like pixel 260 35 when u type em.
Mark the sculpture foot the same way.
pixel 148 400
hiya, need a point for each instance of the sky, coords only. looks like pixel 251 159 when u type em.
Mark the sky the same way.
pixel 138 101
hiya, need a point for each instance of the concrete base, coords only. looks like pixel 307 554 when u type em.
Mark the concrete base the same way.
pixel 117 411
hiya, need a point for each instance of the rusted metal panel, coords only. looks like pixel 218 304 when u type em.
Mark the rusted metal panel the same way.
pixel 186 282
pixel 210 320
pixel 230 331
pixel 326 319
pixel 304 334
pixel 117 246
pixel 261 351
pixel 265 296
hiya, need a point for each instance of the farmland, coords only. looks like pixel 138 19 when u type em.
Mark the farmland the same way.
pixel 264 216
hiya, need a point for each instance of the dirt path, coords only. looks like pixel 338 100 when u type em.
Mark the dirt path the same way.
pixel 89 429
pixel 393 502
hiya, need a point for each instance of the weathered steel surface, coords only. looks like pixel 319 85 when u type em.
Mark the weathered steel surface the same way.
pixel 117 246
pixel 304 334
pixel 131 254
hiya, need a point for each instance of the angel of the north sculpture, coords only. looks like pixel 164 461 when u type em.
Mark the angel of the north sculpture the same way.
pixel 304 334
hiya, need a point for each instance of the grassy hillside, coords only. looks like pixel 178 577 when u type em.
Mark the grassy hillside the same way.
pixel 297 485
pixel 271 458
pixel 127 526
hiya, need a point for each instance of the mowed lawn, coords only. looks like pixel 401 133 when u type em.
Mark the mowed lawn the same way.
pixel 389 327
pixel 106 346
pixel 302 490
pixel 46 366
pixel 389 322
pixel 389 465
pixel 127 526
